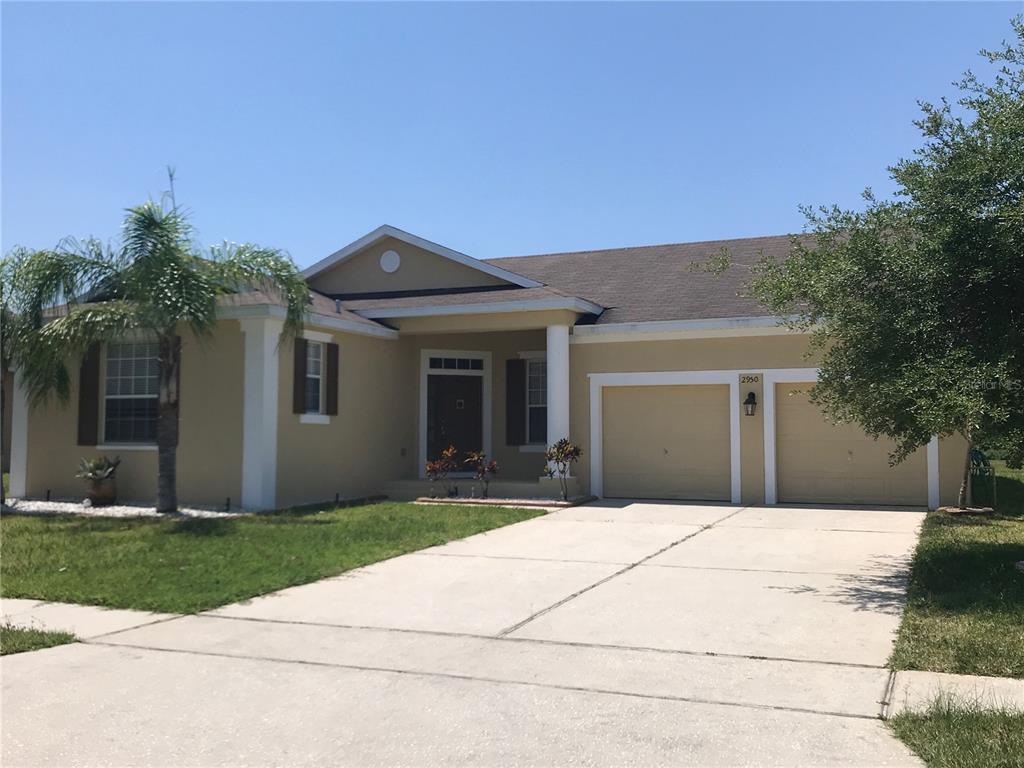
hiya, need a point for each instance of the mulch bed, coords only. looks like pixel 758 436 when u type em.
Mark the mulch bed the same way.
pixel 545 503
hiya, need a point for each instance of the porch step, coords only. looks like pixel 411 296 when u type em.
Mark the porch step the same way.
pixel 407 490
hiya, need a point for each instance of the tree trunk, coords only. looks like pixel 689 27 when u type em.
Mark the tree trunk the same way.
pixel 965 481
pixel 167 425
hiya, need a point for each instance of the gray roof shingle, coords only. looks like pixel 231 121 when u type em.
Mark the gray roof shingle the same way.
pixel 654 282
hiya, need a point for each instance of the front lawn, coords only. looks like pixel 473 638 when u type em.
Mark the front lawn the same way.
pixel 182 566
pixel 965 601
pixel 954 736
pixel 19 639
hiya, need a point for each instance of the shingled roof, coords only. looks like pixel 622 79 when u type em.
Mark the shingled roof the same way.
pixel 655 282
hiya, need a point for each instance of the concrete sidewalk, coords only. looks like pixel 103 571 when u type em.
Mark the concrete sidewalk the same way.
pixel 914 691
pixel 83 621
pixel 610 634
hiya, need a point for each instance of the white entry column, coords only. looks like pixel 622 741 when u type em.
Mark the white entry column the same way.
pixel 19 439
pixel 558 382
pixel 259 412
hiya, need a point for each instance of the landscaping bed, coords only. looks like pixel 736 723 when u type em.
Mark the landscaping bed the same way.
pixel 126 509
pixel 965 600
pixel 185 565
pixel 476 500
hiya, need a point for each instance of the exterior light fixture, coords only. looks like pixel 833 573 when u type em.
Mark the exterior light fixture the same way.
pixel 750 404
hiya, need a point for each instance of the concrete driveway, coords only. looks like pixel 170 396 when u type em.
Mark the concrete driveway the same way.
pixel 610 634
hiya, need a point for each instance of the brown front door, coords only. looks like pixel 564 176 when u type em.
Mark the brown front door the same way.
pixel 455 414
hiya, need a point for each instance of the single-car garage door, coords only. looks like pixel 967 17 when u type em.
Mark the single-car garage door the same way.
pixel 666 442
pixel 820 462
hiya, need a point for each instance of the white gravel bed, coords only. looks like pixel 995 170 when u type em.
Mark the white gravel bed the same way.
pixel 131 509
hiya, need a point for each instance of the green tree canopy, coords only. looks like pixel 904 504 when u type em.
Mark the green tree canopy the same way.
pixel 156 281
pixel 916 304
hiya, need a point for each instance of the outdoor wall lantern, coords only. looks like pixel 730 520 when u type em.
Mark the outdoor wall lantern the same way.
pixel 750 404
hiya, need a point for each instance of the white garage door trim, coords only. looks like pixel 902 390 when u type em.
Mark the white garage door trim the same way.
pixel 598 381
pixel 773 376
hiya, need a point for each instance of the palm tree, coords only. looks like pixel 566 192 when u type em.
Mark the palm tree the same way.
pixel 156 281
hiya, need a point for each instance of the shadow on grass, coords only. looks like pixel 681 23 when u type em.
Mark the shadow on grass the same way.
pixel 204 526
pixel 958 575
pixel 1009 501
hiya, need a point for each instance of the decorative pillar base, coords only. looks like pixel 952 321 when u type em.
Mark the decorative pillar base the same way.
pixel 259 412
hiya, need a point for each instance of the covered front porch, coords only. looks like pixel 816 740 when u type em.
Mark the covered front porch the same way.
pixel 496 383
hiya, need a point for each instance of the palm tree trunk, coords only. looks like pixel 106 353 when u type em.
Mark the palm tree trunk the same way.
pixel 963 497
pixel 167 425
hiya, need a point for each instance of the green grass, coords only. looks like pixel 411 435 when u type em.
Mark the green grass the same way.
pixel 955 736
pixel 187 565
pixel 18 639
pixel 965 601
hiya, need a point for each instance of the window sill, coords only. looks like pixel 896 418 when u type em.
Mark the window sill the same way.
pixel 532 448
pixel 314 418
pixel 126 447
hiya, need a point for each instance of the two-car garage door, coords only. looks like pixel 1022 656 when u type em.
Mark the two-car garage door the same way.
pixel 672 442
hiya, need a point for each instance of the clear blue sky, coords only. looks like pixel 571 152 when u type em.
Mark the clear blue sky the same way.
pixel 496 129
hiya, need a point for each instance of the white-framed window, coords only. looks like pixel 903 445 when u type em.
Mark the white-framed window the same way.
pixel 456 364
pixel 537 401
pixel 130 393
pixel 314 377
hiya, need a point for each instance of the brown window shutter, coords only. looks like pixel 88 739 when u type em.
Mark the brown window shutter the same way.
pixel 515 402
pixel 89 397
pixel 331 405
pixel 299 378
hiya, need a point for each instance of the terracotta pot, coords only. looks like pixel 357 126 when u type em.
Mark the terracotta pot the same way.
pixel 102 493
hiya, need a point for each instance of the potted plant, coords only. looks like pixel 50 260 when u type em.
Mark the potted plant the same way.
pixel 560 458
pixel 483 470
pixel 100 477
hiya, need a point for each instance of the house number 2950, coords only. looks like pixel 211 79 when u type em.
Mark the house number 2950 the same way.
pixel 749 379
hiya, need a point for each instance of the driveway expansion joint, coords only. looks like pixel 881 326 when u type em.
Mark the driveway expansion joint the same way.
pixel 541 641
pixel 886 702
pixel 748 570
pixel 631 566
pixel 489 680
pixel 819 530
pixel 163 620
pixel 520 557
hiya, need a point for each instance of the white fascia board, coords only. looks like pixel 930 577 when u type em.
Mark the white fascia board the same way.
pixel 312 318
pixel 350 326
pixel 573 304
pixel 664 330
pixel 387 230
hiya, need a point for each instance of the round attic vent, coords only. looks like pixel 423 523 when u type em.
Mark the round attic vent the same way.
pixel 390 261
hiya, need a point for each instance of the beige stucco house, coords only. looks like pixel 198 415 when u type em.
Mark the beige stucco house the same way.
pixel 644 362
